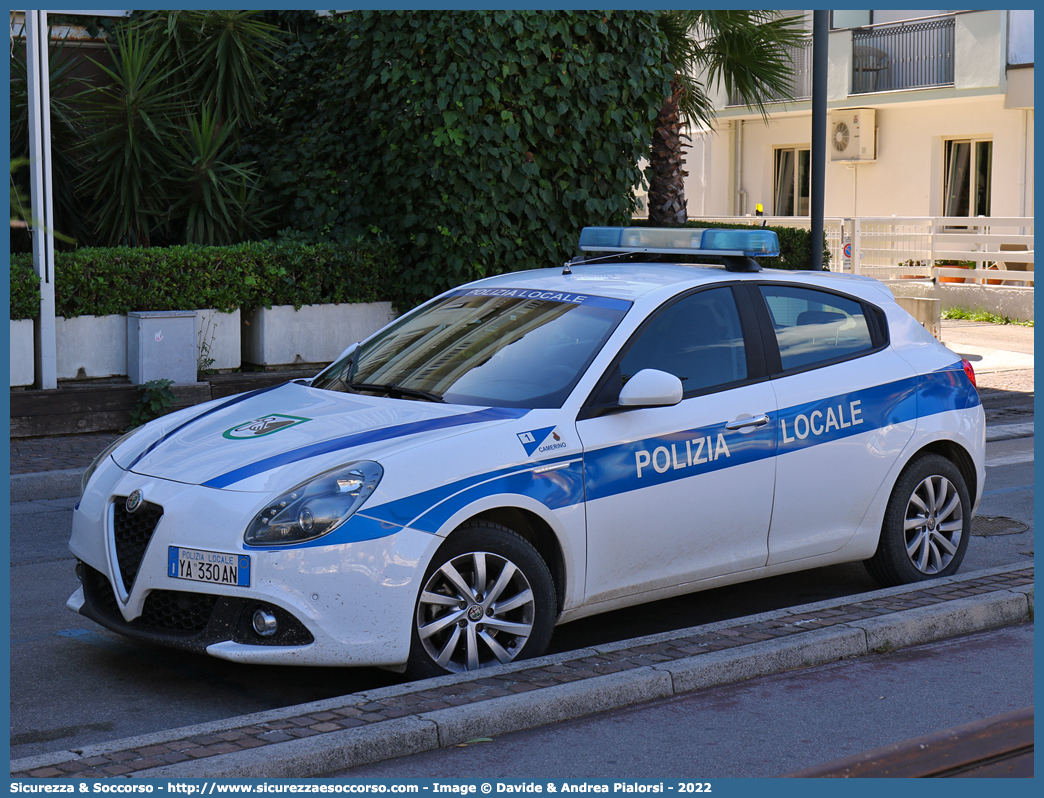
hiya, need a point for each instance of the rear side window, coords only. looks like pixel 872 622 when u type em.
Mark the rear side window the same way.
pixel 815 326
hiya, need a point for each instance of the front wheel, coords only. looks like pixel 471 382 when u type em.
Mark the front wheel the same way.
pixel 487 598
pixel 926 526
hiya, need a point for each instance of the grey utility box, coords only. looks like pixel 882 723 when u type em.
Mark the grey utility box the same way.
pixel 161 345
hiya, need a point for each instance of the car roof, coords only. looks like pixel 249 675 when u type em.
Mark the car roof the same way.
pixel 634 281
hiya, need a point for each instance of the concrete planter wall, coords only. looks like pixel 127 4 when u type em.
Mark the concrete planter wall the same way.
pixel 222 336
pixel 282 336
pixel 23 360
pixel 91 346
pixel 1010 301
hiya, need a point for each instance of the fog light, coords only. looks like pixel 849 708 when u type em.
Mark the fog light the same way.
pixel 79 570
pixel 265 623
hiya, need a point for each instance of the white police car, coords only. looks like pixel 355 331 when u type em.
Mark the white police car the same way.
pixel 537 447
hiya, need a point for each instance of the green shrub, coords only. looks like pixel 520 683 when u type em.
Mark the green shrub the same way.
pixel 482 142
pixel 156 400
pixel 25 289
pixel 103 281
pixel 795 248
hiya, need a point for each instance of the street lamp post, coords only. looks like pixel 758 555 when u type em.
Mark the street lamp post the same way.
pixel 37 55
pixel 820 63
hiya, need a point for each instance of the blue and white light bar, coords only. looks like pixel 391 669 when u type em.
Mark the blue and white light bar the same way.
pixel 719 242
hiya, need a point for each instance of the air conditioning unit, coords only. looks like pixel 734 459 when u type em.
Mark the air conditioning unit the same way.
pixel 853 135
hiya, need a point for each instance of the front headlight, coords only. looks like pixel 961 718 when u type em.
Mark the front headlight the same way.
pixel 316 507
pixel 101 458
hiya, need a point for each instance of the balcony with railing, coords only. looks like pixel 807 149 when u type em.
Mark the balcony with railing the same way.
pixel 800 83
pixel 915 54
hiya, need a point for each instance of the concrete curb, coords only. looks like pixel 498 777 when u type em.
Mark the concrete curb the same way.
pixel 338 750
pixel 549 705
pixel 815 647
pixel 1007 432
pixel 962 617
pixel 62 484
pixel 312 756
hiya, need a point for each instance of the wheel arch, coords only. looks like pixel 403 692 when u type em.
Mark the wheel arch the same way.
pixel 559 536
pixel 539 534
pixel 956 454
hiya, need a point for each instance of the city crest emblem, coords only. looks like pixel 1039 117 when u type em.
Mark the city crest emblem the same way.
pixel 266 425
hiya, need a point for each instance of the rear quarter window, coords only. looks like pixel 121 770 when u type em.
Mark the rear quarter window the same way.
pixel 813 327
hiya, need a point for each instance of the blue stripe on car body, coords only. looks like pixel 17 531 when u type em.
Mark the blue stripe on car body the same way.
pixel 360 438
pixel 428 511
pixel 232 401
pixel 614 470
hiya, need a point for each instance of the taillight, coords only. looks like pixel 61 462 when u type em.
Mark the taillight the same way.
pixel 970 372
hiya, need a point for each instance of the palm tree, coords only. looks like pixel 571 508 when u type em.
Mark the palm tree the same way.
pixel 747 52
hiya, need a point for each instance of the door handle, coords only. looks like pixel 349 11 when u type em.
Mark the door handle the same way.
pixel 747 421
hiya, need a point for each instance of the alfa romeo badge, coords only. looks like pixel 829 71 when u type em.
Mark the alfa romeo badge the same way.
pixel 134 501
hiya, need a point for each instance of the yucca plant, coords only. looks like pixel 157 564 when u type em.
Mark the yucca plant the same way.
pixel 234 60
pixel 225 57
pixel 67 130
pixel 217 197
pixel 134 122
pixel 165 134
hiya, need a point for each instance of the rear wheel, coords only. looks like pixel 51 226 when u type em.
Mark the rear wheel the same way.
pixel 926 526
pixel 487 598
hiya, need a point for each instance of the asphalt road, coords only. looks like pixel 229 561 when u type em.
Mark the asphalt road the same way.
pixel 73 683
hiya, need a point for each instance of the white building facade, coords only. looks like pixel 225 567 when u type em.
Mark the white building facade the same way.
pixel 930 114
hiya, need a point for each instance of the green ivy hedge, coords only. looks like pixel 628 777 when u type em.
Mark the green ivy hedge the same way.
pixel 103 281
pixel 480 141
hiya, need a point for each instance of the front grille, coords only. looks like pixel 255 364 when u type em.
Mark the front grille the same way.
pixel 97 588
pixel 175 611
pixel 133 531
pixel 165 611
pixel 190 621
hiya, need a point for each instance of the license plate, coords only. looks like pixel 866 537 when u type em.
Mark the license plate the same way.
pixel 214 567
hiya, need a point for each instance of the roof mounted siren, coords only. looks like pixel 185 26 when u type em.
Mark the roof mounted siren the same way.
pixel 736 248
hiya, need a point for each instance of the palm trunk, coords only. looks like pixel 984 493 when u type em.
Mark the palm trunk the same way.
pixel 666 157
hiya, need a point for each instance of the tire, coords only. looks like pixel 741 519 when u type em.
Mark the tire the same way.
pixel 926 525
pixel 465 620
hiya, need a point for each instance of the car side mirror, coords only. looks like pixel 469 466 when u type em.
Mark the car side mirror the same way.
pixel 651 388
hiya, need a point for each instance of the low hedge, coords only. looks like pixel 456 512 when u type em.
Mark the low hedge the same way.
pixel 795 249
pixel 118 280
pixel 25 288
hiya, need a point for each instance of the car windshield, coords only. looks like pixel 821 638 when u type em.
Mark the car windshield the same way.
pixel 492 347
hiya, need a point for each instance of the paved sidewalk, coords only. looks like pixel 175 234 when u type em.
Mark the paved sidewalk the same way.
pixel 33 455
pixel 331 735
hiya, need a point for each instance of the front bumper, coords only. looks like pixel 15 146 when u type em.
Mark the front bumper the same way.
pixel 189 621
pixel 348 604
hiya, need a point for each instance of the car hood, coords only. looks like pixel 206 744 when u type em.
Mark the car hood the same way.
pixel 240 443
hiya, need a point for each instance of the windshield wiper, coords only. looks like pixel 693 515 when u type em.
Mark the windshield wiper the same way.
pixel 395 391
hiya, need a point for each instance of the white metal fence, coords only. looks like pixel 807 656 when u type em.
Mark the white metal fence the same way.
pixel 990 250
pixel 994 250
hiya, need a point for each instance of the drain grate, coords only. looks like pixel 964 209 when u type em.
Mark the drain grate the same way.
pixel 992 525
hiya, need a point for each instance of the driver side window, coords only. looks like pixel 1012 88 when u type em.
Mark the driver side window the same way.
pixel 698 339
